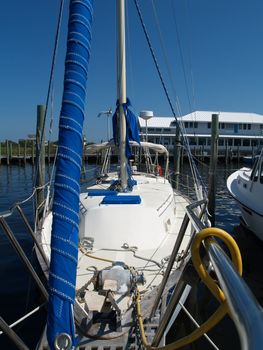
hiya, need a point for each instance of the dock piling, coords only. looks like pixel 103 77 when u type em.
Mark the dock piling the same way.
pixel 40 158
pixel 7 153
pixel 212 169
pixel 33 151
pixel 25 145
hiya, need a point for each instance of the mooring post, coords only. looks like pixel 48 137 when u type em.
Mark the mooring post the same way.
pixel 0 152
pixel 40 157
pixel 7 152
pixel 177 156
pixel 11 151
pixel 226 155
pixel 25 151
pixel 212 169
pixel 18 152
pixel 33 152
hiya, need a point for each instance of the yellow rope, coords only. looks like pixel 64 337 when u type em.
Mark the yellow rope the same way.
pixel 83 251
pixel 196 334
pixel 206 235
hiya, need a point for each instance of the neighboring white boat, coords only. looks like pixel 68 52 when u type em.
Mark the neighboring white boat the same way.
pixel 246 187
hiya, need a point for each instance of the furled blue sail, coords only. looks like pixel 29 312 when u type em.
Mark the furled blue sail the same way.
pixel 132 131
pixel 64 237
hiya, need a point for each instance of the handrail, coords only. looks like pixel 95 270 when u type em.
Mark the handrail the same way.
pixel 21 319
pixel 12 239
pixel 31 232
pixel 195 220
pixel 12 335
pixel 9 212
pixel 198 225
pixel 234 295
pixel 231 291
pixel 170 264
pixel 245 310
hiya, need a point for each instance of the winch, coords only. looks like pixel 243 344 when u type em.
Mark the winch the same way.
pixel 118 279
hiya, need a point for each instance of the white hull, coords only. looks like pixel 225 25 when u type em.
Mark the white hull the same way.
pixel 248 195
pixel 253 221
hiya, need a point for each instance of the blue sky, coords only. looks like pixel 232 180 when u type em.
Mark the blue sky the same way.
pixel 210 53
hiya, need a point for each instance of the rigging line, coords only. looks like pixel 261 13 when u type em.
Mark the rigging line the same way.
pixel 181 54
pixel 190 56
pixel 51 111
pixel 196 175
pixel 165 53
pixel 154 58
pixel 195 172
pixel 51 79
pixel 189 46
pixel 130 65
pixel 192 106
pixel 197 325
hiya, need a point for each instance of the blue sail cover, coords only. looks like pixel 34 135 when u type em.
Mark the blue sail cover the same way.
pixel 132 132
pixel 64 237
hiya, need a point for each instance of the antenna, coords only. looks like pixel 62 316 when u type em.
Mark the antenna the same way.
pixel 107 114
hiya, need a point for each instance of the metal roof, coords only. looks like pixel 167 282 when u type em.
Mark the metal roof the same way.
pixel 223 136
pixel 205 116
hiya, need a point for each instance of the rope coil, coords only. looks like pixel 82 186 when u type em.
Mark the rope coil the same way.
pixel 207 236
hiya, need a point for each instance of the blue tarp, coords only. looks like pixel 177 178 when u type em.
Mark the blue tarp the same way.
pixel 132 132
pixel 64 237
pixel 101 192
pixel 127 199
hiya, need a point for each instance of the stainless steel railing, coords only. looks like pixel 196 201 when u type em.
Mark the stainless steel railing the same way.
pixel 245 310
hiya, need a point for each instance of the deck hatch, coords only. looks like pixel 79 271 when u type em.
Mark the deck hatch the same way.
pixel 121 200
pixel 101 192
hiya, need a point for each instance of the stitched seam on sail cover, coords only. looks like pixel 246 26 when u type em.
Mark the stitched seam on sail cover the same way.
pixel 55 291
pixel 66 241
pixel 62 252
pixel 62 280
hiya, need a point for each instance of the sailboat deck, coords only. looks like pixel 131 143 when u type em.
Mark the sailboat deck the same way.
pixel 123 233
pixel 140 236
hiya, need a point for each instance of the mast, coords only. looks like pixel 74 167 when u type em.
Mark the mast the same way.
pixel 122 90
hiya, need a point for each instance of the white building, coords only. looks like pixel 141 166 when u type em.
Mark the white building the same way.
pixel 237 131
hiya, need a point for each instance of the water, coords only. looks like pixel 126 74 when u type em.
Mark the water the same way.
pixel 18 293
pixel 227 212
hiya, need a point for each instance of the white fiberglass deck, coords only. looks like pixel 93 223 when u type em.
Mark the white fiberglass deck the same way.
pixel 140 235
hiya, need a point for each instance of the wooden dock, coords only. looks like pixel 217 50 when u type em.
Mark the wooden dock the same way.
pixel 24 151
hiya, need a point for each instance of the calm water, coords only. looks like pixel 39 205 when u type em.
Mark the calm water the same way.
pixel 18 293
